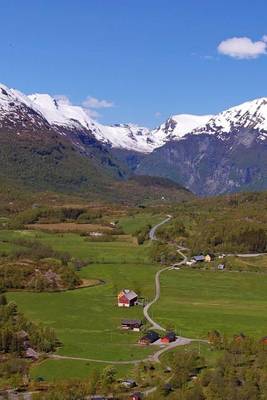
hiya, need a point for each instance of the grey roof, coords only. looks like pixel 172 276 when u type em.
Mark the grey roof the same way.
pixel 130 294
pixel 199 258
pixel 131 322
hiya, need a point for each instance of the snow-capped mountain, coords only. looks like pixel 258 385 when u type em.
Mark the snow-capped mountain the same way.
pixel 228 153
pixel 208 154
pixel 16 107
pixel 249 116
pixel 17 111
pixel 177 126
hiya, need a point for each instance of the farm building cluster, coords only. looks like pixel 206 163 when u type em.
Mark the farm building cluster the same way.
pixel 128 298
pixel 204 259
pixel 152 337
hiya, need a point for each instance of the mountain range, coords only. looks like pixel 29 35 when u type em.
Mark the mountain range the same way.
pixel 48 141
pixel 49 145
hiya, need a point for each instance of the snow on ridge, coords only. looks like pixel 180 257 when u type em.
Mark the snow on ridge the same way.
pixel 59 113
pixel 178 126
pixel 251 114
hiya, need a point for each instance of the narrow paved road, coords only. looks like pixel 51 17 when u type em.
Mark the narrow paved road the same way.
pixel 152 236
pixel 155 325
pixel 152 233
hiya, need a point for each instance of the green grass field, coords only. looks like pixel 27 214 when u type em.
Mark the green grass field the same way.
pixel 55 370
pixel 198 301
pixel 87 320
pixel 131 224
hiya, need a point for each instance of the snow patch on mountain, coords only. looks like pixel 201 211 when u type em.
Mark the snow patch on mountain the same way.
pixel 251 115
pixel 177 126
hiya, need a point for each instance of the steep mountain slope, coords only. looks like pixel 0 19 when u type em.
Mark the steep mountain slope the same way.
pixel 227 154
pixel 50 145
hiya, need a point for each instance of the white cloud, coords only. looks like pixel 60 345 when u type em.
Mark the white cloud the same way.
pixel 90 104
pixel 62 98
pixel 93 102
pixel 92 113
pixel 157 114
pixel 243 47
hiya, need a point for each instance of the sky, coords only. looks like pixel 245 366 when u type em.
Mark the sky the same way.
pixel 136 61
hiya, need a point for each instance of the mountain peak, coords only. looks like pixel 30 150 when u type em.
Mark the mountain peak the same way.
pixel 251 115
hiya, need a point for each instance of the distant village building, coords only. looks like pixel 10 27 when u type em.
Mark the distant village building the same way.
pixel 209 257
pixel 199 258
pixel 168 338
pixel 128 383
pixel 264 340
pixel 127 298
pixel 131 324
pixel 149 338
pixel 221 267
pixel 30 353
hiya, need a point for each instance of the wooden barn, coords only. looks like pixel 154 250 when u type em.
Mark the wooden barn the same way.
pixel 127 298
pixel 131 324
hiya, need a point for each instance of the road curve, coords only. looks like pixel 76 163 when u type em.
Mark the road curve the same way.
pixel 152 236
pixel 152 232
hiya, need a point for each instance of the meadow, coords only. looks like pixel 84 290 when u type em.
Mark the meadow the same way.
pixel 198 301
pixel 87 320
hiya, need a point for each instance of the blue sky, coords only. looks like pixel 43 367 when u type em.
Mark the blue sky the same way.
pixel 147 59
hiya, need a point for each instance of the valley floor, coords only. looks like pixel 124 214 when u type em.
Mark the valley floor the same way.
pixel 87 320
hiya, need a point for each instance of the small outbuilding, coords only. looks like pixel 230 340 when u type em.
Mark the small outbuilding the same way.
pixel 131 324
pixel 168 338
pixel 150 337
pixel 190 263
pixel 31 353
pixel 127 298
pixel 221 267
pixel 128 383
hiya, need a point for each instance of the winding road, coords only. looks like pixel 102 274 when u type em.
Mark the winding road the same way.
pixel 181 341
pixel 152 236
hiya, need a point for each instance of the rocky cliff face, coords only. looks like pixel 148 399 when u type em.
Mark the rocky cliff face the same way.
pixel 209 166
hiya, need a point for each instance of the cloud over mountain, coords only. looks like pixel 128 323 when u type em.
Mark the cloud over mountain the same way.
pixel 243 47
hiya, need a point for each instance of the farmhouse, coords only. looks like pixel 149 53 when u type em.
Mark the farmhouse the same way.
pixel 128 383
pixel 131 324
pixel 209 257
pixel 127 298
pixel 199 258
pixel 264 340
pixel 149 338
pixel 168 338
pixel 221 267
